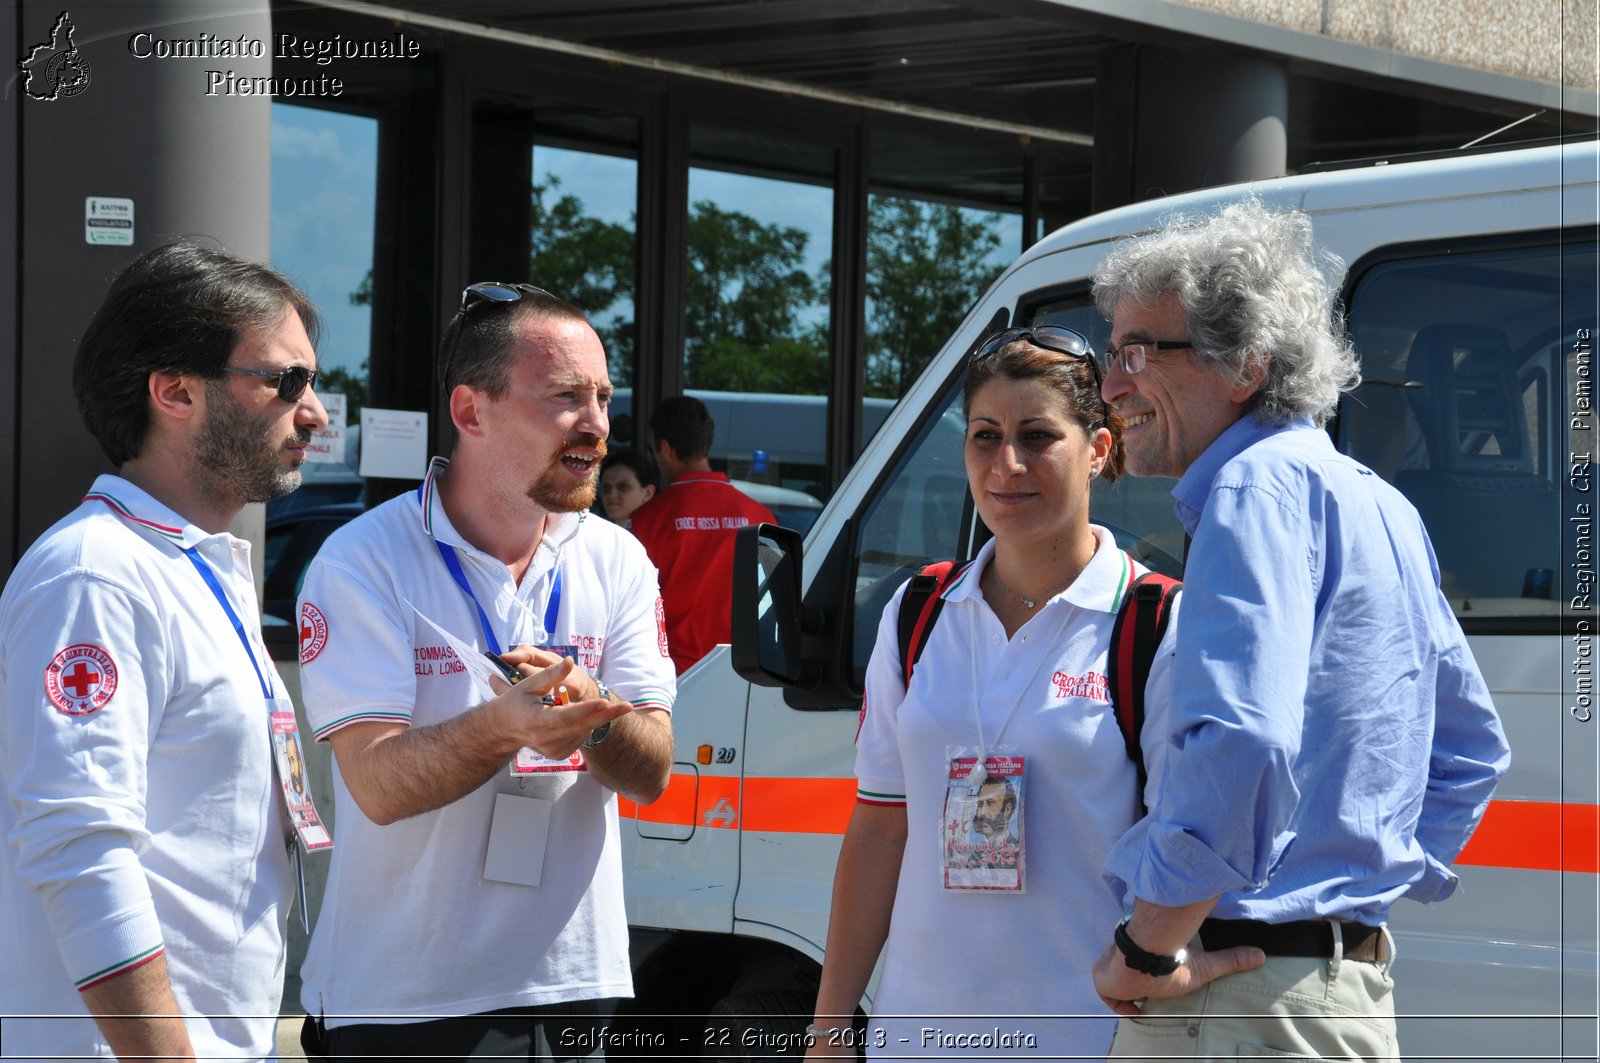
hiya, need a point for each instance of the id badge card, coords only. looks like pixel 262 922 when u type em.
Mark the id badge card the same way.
pixel 294 780
pixel 517 836
pixel 981 835
pixel 530 762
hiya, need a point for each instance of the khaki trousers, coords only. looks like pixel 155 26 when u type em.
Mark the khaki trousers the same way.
pixel 1293 1007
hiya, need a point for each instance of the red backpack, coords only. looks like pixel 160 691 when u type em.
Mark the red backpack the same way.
pixel 1141 623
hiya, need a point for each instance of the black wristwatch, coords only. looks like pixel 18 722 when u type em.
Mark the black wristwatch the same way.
pixel 1151 963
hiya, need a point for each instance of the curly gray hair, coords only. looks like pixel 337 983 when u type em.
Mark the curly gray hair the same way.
pixel 1255 289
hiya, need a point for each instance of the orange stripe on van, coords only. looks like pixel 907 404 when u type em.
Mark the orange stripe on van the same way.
pixel 775 806
pixel 1538 836
pixel 685 791
pixel 799 806
pixel 1531 835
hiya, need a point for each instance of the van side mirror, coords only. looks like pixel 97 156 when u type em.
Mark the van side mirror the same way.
pixel 769 617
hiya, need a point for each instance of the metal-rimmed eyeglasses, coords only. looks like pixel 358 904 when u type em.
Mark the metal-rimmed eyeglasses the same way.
pixel 292 382
pixel 501 293
pixel 1131 358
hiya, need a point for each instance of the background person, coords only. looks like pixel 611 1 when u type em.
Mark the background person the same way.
pixel 688 530
pixel 1040 599
pixel 1332 743
pixel 147 876
pixel 509 887
pixel 628 479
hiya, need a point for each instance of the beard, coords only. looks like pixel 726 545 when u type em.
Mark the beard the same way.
pixel 239 455
pixel 989 826
pixel 555 491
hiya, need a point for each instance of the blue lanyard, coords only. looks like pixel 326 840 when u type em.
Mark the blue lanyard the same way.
pixel 210 577
pixel 552 605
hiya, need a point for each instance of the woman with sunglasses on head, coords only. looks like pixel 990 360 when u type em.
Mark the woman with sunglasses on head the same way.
pixel 993 785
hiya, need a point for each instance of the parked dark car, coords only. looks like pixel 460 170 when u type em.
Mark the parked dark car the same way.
pixel 293 539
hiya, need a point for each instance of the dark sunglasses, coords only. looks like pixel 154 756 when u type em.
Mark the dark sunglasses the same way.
pixel 499 293
pixel 1055 338
pixel 292 382
pixel 495 292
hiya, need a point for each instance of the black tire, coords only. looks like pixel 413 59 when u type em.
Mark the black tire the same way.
pixel 763 1025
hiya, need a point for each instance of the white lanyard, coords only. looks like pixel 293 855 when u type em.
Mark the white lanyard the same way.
pixel 1045 657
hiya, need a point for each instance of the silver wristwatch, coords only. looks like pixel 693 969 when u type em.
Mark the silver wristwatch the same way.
pixel 598 735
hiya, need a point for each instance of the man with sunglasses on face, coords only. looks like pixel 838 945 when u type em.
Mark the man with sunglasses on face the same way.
pixel 144 889
pixel 1333 743
pixel 477 872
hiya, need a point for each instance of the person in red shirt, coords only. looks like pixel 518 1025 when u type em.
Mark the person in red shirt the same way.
pixel 688 529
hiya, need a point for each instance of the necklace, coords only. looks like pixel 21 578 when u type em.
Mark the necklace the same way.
pixel 1033 602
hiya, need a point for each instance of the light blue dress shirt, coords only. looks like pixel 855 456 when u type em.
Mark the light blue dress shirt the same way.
pixel 1333 742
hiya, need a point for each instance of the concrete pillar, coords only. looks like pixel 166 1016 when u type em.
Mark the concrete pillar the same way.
pixel 136 128
pixel 1170 121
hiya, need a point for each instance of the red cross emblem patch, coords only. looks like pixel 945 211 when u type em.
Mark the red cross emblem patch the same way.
pixel 313 632
pixel 80 679
pixel 661 628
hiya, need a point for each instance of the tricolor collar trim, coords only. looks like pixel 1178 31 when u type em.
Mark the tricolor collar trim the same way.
pixel 134 505
pixel 175 534
pixel 430 491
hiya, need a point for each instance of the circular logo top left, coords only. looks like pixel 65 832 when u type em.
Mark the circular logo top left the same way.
pixel 80 679
pixel 313 632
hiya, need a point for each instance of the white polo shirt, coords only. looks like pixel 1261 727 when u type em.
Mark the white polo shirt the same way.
pixel 1029 953
pixel 140 803
pixel 409 926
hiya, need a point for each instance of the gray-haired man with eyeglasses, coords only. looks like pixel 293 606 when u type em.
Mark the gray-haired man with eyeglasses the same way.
pixel 144 889
pixel 1333 743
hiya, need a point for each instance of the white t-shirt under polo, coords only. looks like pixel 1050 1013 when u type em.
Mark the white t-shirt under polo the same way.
pixel 409 927
pixel 1023 954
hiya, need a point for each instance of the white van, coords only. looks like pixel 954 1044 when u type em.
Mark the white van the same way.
pixel 1472 298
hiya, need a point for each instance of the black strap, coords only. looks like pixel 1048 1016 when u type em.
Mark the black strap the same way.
pixel 1141 624
pixel 920 607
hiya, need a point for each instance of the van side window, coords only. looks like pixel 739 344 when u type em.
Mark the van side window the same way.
pixel 1471 376
pixel 918 514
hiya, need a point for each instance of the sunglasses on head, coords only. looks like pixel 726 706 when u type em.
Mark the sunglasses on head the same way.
pixel 292 382
pixel 495 292
pixel 1057 338
pixel 500 293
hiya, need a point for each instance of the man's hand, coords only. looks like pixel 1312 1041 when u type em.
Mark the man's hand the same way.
pixel 394 771
pixel 580 684
pixel 554 731
pixel 1123 988
pixel 635 759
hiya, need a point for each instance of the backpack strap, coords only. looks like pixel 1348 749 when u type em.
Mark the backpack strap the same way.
pixel 1141 623
pixel 920 607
